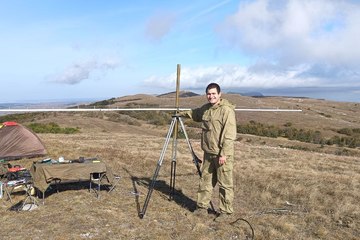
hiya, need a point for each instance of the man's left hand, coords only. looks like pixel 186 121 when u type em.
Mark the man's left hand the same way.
pixel 222 160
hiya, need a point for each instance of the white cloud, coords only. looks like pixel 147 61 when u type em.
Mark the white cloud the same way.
pixel 159 25
pixel 235 77
pixel 295 44
pixel 78 72
pixel 296 31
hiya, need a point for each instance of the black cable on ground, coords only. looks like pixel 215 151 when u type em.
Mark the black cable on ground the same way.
pixel 244 220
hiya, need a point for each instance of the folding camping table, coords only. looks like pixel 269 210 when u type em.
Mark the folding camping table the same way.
pixel 45 174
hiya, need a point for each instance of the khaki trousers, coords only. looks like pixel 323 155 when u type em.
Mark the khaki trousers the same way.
pixel 212 173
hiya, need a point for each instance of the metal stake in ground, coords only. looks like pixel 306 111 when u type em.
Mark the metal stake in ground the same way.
pixel 196 161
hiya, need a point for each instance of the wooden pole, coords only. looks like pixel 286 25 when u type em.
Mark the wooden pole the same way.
pixel 177 98
pixel 177 87
pixel 175 136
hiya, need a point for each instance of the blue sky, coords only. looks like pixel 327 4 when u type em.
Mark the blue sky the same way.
pixel 88 49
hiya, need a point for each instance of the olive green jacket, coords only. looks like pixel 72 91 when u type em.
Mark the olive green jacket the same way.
pixel 218 127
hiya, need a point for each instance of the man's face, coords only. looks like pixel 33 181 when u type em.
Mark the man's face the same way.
pixel 213 96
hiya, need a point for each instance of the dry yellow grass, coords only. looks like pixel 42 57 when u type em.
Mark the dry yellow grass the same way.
pixel 283 193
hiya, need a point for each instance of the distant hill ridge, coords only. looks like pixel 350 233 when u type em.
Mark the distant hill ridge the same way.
pixel 248 94
pixel 181 94
pixel 192 94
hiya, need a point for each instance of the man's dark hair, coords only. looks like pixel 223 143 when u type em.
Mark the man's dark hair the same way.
pixel 213 85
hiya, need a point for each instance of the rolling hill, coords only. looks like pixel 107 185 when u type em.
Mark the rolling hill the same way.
pixel 285 189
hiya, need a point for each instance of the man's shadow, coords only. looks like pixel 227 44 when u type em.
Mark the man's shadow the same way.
pixel 160 185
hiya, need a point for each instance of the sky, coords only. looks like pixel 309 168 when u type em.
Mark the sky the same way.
pixel 95 49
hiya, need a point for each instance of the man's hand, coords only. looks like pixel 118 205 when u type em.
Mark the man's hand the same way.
pixel 222 160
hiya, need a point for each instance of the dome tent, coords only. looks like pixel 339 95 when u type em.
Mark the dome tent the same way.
pixel 16 142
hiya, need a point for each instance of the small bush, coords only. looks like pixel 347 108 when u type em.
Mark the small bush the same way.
pixel 288 124
pixel 346 131
pixel 103 103
pixel 24 117
pixel 342 152
pixel 51 128
pixel 156 118
pixel 325 115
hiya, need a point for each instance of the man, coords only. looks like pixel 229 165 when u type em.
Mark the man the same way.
pixel 217 142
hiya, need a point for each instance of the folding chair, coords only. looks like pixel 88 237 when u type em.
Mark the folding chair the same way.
pixel 96 178
pixel 115 182
pixel 30 202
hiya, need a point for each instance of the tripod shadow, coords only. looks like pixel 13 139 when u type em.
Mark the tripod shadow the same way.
pixel 161 186
pixel 134 181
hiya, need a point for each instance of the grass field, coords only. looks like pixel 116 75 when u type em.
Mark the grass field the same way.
pixel 283 193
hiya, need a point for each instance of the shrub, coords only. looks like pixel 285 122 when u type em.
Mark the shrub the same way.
pixel 23 117
pixel 356 130
pixel 156 118
pixel 325 115
pixel 51 128
pixel 103 103
pixel 259 129
pixel 289 132
pixel 288 124
pixel 342 152
pixel 346 131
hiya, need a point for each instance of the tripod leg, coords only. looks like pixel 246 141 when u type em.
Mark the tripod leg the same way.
pixel 196 160
pixel 159 163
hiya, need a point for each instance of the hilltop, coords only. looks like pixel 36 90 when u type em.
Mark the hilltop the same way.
pixel 331 125
pixel 328 117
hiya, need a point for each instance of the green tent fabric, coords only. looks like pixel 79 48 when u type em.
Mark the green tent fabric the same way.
pixel 16 142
